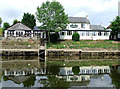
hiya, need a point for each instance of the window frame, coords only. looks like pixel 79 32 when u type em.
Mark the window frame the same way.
pixel 69 33
pixel 82 25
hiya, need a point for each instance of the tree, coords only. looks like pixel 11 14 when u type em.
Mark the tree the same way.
pixel 115 26
pixel 1 31
pixel 29 20
pixel 15 21
pixel 6 25
pixel 0 21
pixel 52 17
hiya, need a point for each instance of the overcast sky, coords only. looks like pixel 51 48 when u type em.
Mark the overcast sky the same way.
pixel 98 10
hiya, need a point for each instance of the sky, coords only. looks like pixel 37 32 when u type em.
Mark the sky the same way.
pixel 98 11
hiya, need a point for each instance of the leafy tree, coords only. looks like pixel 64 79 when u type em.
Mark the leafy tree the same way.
pixel 54 37
pixel 6 25
pixel 1 31
pixel 15 21
pixel 115 26
pixel 52 17
pixel 0 21
pixel 29 20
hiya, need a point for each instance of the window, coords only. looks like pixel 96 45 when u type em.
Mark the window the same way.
pixel 105 33
pixel 99 33
pixel 93 33
pixel 83 33
pixel 62 33
pixel 87 33
pixel 82 25
pixel 69 32
pixel 21 33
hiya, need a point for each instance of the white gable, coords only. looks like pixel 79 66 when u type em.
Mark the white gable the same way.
pixel 19 26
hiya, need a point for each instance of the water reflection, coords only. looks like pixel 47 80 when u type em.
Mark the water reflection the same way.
pixel 31 73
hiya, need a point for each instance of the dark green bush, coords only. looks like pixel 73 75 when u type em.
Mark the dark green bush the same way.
pixel 75 37
pixel 54 37
pixel 76 70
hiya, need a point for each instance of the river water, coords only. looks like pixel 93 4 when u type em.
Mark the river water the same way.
pixel 33 73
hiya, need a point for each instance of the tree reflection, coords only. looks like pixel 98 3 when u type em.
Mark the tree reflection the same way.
pixel 54 70
pixel 115 78
pixel 29 82
pixel 52 81
pixel 76 70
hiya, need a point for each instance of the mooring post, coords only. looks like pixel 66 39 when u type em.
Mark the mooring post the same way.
pixel 80 55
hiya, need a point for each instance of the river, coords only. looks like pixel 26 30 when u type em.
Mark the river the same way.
pixel 30 72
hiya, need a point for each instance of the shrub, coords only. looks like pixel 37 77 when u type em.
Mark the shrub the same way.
pixel 76 70
pixel 75 37
pixel 54 37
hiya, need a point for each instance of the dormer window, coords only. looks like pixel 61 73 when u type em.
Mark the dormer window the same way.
pixel 73 26
pixel 82 25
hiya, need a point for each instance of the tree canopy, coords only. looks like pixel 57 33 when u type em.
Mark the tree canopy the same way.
pixel 29 20
pixel 52 16
pixel 115 26
pixel 15 21
pixel 6 25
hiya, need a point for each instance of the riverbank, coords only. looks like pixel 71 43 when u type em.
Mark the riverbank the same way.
pixel 82 48
pixel 86 45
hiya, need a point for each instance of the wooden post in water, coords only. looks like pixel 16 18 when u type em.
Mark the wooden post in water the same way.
pixel 79 55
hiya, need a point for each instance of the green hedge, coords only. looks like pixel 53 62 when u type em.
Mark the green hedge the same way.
pixel 75 37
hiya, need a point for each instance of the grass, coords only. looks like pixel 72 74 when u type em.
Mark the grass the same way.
pixel 89 44
pixel 20 44
pixel 83 63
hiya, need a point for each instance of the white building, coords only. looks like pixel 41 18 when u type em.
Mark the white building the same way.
pixel 80 25
pixel 85 70
pixel 86 31
pixel 20 30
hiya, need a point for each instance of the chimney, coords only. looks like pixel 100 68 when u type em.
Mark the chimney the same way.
pixel 101 24
pixel 87 16
pixel 119 8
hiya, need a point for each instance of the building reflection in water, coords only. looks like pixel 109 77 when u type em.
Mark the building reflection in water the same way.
pixel 41 72
pixel 33 73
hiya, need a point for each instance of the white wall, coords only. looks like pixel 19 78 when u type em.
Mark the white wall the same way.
pixel 85 37
pixel 87 26
pixel 5 34
pixel 118 35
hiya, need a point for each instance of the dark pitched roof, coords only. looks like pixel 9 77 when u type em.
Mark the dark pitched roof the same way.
pixel 96 27
pixel 78 20
pixel 108 26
